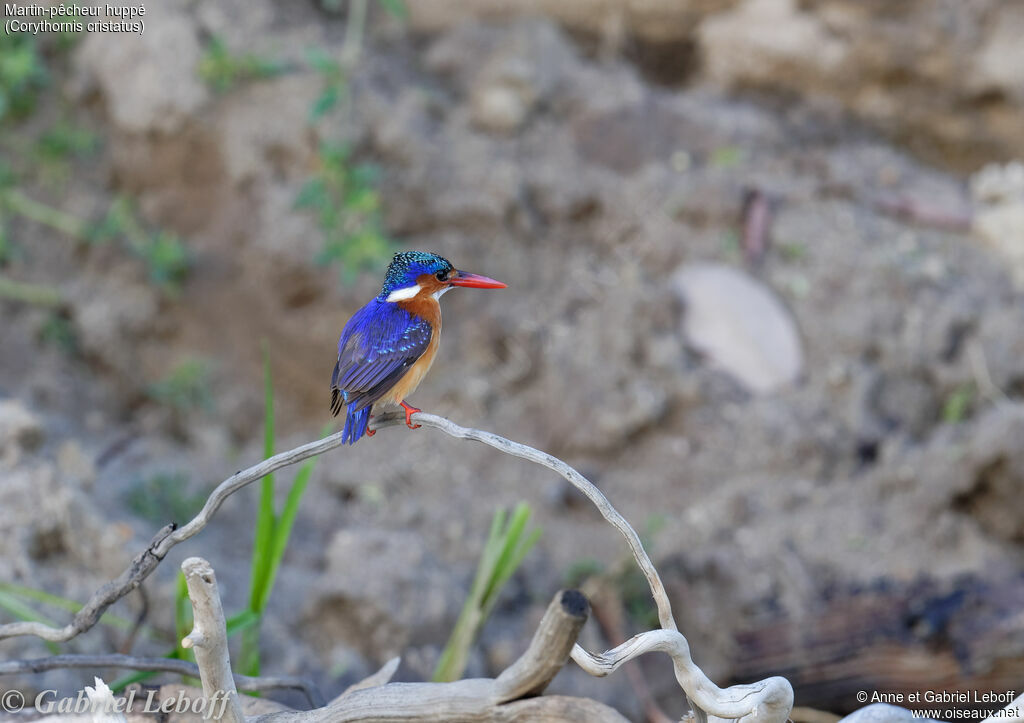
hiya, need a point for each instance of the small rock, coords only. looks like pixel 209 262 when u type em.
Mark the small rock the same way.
pixel 999 64
pixel 501 107
pixel 258 133
pixel 525 69
pixel 740 325
pixel 998 192
pixel 75 466
pixel 106 319
pixel 150 82
pixel 776 36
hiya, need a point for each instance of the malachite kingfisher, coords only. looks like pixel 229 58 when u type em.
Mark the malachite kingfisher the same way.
pixel 387 347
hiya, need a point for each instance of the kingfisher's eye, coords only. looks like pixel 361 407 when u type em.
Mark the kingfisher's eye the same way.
pixel 441 275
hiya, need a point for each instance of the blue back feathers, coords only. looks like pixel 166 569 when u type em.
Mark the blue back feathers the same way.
pixel 408 266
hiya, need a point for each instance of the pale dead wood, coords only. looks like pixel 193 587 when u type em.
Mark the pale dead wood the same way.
pixel 481 699
pixel 143 564
pixel 381 677
pixel 768 701
pixel 209 639
pixel 138 570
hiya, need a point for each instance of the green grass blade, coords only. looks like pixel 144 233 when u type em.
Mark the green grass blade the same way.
pixel 182 617
pixel 502 569
pixel 241 621
pixel 489 556
pixel 286 520
pixel 283 530
pixel 62 603
pixel 249 658
pixel 123 682
pixel 502 554
pixel 265 521
pixel 21 611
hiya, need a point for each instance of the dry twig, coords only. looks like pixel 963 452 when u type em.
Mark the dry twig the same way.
pixel 209 638
pixel 161 665
pixel 768 701
pixel 492 700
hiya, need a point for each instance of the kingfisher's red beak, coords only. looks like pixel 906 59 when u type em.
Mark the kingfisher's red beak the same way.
pixel 474 281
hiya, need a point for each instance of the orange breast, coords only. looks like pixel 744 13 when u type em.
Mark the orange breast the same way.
pixel 425 306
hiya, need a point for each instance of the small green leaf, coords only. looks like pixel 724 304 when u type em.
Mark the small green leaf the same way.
pixel 322 62
pixel 958 404
pixel 396 8
pixel 325 102
pixel 313 194
pixel 241 621
pixel 727 157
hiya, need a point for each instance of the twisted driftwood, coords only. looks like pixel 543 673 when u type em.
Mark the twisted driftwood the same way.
pixel 768 701
pixel 209 637
pixel 506 698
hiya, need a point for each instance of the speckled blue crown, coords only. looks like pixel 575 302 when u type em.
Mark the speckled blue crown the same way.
pixel 408 266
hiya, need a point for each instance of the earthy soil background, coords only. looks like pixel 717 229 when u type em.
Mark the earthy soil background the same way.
pixel 831 487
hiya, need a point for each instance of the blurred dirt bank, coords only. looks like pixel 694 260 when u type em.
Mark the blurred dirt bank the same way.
pixel 857 528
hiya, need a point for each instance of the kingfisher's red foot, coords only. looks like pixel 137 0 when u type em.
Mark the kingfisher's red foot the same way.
pixel 370 432
pixel 409 411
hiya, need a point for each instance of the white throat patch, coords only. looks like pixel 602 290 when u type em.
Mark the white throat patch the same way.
pixel 440 292
pixel 408 292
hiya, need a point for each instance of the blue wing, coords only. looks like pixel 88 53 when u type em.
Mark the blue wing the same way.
pixel 377 347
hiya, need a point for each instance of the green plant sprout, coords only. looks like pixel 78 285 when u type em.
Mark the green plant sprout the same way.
pixel 57 330
pixel 341 194
pixel 271 537
pixel 165 256
pixel 164 495
pixel 348 210
pixel 507 544
pixel 958 404
pixel 29 293
pixel 186 387
pixel 20 611
pixel 335 83
pixel 269 544
pixel 12 601
pixel 15 201
pixel 222 70
pixel 396 8
pixel 23 75
pixel 58 145
pixel 182 622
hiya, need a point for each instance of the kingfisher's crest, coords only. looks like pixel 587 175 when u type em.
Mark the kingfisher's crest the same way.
pixel 406 267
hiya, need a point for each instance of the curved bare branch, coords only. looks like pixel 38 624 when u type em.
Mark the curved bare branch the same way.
pixel 159 665
pixel 767 701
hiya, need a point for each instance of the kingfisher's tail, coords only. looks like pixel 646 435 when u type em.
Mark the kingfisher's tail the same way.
pixel 355 424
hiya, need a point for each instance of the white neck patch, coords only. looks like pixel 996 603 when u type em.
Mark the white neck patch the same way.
pixel 408 292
